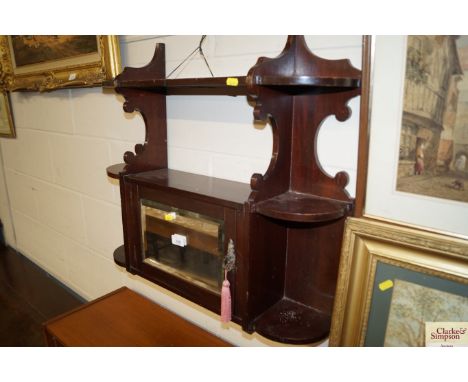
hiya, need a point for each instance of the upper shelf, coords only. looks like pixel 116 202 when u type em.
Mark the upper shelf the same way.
pixel 298 207
pixel 312 81
pixel 208 85
pixel 232 85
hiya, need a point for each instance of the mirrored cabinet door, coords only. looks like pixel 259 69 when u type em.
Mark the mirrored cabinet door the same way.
pixel 186 244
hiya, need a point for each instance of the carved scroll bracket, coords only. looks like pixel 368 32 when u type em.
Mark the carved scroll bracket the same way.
pixel 296 92
pixel 152 154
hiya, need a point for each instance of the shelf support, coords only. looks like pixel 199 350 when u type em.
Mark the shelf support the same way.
pixel 296 112
pixel 152 154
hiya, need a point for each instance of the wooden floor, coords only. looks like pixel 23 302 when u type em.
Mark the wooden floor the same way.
pixel 28 297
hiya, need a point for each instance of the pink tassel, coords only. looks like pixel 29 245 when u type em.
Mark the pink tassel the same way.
pixel 225 300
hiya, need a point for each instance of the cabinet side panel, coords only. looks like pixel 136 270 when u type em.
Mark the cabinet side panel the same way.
pixel 267 263
pixel 313 257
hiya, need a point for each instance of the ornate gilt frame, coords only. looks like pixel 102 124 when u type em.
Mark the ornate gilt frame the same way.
pixel 80 75
pixel 5 98
pixel 367 242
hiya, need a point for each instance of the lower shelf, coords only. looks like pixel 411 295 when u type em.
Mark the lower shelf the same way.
pixel 291 322
pixel 119 256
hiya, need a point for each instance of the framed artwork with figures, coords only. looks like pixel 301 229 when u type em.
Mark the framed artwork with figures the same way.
pixel 418 147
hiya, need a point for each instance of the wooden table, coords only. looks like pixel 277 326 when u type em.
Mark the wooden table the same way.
pixel 125 318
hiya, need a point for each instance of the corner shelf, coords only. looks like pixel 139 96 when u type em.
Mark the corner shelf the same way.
pixel 311 81
pixel 291 322
pixel 296 211
pixel 298 207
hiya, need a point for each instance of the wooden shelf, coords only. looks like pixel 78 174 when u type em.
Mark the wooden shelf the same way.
pixel 119 256
pixel 298 207
pixel 219 85
pixel 291 322
pixel 338 82
pixel 115 170
pixel 226 192
pixel 208 85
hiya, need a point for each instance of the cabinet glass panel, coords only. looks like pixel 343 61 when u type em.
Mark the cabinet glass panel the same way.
pixel 183 243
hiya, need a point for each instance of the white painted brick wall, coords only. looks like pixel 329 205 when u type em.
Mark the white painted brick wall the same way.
pixel 66 212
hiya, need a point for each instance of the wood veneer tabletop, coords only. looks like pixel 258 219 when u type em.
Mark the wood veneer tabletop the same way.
pixel 125 318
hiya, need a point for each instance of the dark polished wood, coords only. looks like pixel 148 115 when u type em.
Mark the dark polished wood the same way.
pixel 220 85
pixel 216 198
pixel 291 322
pixel 28 297
pixel 125 318
pixel 296 120
pixel 293 255
pixel 306 80
pixel 298 207
pixel 119 256
pixel 224 191
pixel 41 290
pixel 288 225
pixel 116 170
pixel 179 86
pixel 152 106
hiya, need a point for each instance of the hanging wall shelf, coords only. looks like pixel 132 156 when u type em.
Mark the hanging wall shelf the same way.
pixel 286 227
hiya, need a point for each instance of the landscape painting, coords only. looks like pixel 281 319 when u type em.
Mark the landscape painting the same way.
pixel 50 62
pixel 433 151
pixel 413 305
pixel 30 50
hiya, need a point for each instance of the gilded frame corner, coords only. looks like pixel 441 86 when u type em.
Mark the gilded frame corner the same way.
pixel 80 75
pixel 367 242
pixel 6 115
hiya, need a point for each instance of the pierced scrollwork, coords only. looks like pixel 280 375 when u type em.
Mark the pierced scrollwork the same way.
pixel 343 113
pixel 152 154
pixel 283 90
pixel 341 179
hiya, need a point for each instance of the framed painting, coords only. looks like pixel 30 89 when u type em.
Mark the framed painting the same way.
pixel 392 280
pixel 47 62
pixel 418 151
pixel 7 127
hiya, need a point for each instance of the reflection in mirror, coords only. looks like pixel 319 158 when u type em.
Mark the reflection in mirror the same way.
pixel 185 244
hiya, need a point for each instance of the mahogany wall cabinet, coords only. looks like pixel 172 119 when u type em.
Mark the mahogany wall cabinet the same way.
pixel 286 226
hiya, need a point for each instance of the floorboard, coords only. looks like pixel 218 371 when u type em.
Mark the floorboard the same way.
pixel 29 296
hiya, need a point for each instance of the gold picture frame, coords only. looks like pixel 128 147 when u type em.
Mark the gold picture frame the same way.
pixel 376 256
pixel 54 62
pixel 7 126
